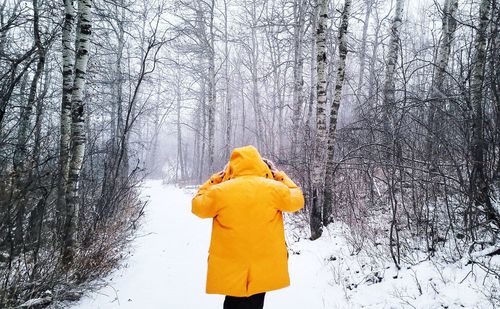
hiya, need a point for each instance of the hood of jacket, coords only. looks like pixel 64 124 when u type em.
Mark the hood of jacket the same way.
pixel 246 161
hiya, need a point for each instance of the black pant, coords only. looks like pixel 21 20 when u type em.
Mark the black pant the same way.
pixel 252 302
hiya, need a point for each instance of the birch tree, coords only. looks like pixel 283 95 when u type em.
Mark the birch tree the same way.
pixel 77 128
pixel 389 94
pixel 390 69
pixel 478 180
pixel 362 52
pixel 65 120
pixel 253 51
pixel 495 85
pixel 320 141
pixel 449 25
pixel 30 88
pixel 211 87
pixel 334 110
pixel 229 116
pixel 298 67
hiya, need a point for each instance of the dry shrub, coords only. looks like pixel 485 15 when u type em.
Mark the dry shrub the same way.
pixel 108 242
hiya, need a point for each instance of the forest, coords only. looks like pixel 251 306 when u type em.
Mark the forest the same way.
pixel 385 112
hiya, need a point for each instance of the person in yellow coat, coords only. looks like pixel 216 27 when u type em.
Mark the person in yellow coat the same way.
pixel 248 254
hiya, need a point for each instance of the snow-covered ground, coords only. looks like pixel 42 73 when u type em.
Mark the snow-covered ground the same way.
pixel 167 269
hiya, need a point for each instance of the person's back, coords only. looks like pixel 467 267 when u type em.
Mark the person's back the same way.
pixel 249 234
pixel 248 254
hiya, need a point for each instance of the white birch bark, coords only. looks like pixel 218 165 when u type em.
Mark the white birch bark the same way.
pixel 448 30
pixel 387 118
pixel 298 79
pixel 392 59
pixel 68 57
pixel 318 166
pixel 362 53
pixel 312 74
pixel 77 129
pixel 449 25
pixel 330 165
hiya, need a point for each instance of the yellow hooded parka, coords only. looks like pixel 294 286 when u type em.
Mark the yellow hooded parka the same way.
pixel 247 254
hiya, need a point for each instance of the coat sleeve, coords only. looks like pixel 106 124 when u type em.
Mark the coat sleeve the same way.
pixel 203 204
pixel 296 196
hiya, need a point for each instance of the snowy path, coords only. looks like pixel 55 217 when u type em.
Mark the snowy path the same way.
pixel 168 266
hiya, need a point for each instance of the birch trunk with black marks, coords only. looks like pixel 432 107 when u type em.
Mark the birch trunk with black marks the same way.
pixel 320 141
pixel 330 164
pixel 449 25
pixel 390 69
pixel 77 130
pixel 68 62
pixel 308 156
pixel 388 110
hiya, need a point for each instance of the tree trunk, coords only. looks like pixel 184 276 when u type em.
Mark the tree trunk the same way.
pixel 318 167
pixel 255 85
pixel 65 137
pixel 362 53
pixel 22 164
pixel 180 163
pixel 372 95
pixel 77 130
pixel 392 59
pixel 312 91
pixel 211 91
pixel 330 164
pixel 449 25
pixel 200 21
pixel 479 179
pixel 495 85
pixel 298 79
pixel 388 123
pixel 228 92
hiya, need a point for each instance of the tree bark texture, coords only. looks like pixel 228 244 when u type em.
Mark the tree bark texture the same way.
pixel 389 103
pixel 449 25
pixel 298 79
pixel 77 129
pixel 330 164
pixel 318 164
pixel 68 57
pixel 479 179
